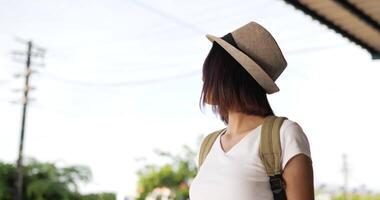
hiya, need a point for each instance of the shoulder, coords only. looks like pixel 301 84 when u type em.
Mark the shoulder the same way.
pixel 293 140
pixel 210 137
pixel 212 134
pixel 289 123
pixel 290 128
pixel 216 132
pixel 206 144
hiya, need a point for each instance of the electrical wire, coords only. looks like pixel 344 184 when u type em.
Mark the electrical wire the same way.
pixel 168 16
pixel 318 48
pixel 196 29
pixel 124 83
pixel 56 111
pixel 163 79
pixel 169 78
pixel 3 82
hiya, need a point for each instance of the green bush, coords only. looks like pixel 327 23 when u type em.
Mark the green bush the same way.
pixel 46 181
pixel 173 175
pixel 358 197
pixel 101 196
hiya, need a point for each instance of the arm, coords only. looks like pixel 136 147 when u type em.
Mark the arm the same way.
pixel 298 177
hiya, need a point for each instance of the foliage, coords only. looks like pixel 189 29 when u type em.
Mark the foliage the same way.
pixel 358 197
pixel 101 196
pixel 174 175
pixel 46 181
pixel 7 177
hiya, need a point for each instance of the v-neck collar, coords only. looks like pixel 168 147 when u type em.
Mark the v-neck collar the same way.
pixel 239 143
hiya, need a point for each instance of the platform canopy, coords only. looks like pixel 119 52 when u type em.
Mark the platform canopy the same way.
pixel 357 20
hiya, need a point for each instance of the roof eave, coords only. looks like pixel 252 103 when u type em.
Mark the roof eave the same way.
pixel 375 54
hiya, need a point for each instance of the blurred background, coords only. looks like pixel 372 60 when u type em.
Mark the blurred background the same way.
pixel 112 92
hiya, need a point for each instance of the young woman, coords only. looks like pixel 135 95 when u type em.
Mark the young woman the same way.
pixel 238 73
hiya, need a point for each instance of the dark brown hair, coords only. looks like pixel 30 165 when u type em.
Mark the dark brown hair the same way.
pixel 229 86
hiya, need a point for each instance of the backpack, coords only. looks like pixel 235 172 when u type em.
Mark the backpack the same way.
pixel 270 152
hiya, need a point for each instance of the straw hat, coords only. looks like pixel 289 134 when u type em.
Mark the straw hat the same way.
pixel 257 51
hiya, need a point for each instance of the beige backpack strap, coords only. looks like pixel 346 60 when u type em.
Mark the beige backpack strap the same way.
pixel 270 145
pixel 270 154
pixel 207 144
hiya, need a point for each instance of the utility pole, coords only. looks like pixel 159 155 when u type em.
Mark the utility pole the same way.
pixel 19 170
pixel 345 177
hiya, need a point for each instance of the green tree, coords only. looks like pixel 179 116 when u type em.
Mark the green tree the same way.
pixel 46 181
pixel 174 175
pixel 7 178
pixel 101 196
pixel 357 197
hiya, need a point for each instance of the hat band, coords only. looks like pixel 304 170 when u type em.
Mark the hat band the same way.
pixel 230 39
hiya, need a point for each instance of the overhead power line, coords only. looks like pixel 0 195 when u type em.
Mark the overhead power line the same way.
pixel 2 82
pixel 168 78
pixel 168 16
pixel 313 49
pixel 123 83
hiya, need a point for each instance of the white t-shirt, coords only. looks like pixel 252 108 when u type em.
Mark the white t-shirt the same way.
pixel 239 174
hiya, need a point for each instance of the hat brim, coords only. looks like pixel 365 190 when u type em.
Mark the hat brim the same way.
pixel 249 65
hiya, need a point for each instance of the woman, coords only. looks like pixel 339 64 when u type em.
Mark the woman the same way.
pixel 238 73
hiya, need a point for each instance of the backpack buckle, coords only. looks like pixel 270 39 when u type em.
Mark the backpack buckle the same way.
pixel 276 183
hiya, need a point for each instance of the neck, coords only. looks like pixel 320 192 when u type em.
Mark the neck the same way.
pixel 240 123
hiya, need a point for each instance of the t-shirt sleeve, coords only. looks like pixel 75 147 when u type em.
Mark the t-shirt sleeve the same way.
pixel 293 142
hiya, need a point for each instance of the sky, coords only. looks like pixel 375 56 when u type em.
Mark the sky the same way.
pixel 122 78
